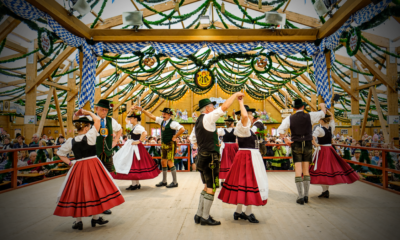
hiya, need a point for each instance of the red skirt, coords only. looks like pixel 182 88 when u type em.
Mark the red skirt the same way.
pixel 145 168
pixel 240 186
pixel 89 191
pixel 227 157
pixel 332 169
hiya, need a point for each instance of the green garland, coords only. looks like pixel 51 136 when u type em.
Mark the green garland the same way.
pixel 99 14
pixel 350 52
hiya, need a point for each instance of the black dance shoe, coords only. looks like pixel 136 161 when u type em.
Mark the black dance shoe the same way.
pixel 197 219
pixel 108 212
pixel 138 186
pixel 129 188
pixel 161 184
pixel 252 218
pixel 300 201
pixel 172 185
pixel 99 221
pixel 78 225
pixel 242 215
pixel 324 194
pixel 210 221
pixel 305 199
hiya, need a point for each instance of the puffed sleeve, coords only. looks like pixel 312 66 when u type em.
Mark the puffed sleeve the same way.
pixel 139 130
pixel 318 132
pixel 242 131
pixel 221 132
pixel 115 125
pixel 159 120
pixel 332 125
pixel 176 126
pixel 91 136
pixel 65 149
pixel 192 136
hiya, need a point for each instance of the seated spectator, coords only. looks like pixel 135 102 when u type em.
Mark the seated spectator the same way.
pixel 35 141
pixel 356 158
pixel 6 145
pixel 178 162
pixel 60 140
pixel 42 143
pixel 124 139
pixel 279 151
pixel 20 142
pixel 376 158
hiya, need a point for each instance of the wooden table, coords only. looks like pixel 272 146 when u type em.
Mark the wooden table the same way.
pixel 59 169
pixel 370 175
pixel 5 183
pixel 30 174
pixel 394 183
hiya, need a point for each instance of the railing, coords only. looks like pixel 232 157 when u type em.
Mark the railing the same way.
pixel 385 170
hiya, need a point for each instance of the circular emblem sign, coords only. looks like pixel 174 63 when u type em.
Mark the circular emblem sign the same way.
pixel 45 42
pixel 204 79
pixel 353 42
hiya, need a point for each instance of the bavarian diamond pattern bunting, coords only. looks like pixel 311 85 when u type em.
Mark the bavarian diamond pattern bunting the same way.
pixel 370 11
pixel 24 9
pixel 227 48
pixel 178 50
pixel 284 48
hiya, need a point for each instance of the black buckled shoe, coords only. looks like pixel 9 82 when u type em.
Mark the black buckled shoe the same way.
pixel 78 225
pixel 138 186
pixel 305 199
pixel 252 218
pixel 324 194
pixel 99 221
pixel 242 215
pixel 108 212
pixel 300 201
pixel 197 219
pixel 172 185
pixel 129 188
pixel 210 221
pixel 161 184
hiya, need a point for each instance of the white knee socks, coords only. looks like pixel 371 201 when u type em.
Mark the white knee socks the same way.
pixel 248 210
pixel 325 188
pixel 95 217
pixel 239 208
pixel 135 182
pixel 78 219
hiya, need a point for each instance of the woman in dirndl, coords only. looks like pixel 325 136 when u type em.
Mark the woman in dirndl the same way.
pixel 329 168
pixel 228 148
pixel 247 182
pixel 132 161
pixel 88 189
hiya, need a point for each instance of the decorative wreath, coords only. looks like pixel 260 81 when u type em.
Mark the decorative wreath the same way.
pixel 261 62
pixel 45 41
pixel 149 61
pixel 353 41
pixel 144 61
pixel 265 63
pixel 204 79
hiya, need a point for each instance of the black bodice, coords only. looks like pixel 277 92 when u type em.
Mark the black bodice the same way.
pixel 259 125
pixel 327 139
pixel 82 149
pixel 248 142
pixel 229 137
pixel 134 137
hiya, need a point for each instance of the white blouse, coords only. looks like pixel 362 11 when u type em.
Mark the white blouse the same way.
pixel 137 129
pixel 221 131
pixel 319 132
pixel 66 148
pixel 242 131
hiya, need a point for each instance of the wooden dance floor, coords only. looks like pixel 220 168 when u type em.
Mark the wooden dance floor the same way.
pixel 357 211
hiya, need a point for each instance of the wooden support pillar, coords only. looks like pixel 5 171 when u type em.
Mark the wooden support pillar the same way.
pixel 314 99
pixel 71 103
pixel 97 94
pixel 44 113
pixel 30 101
pixel 392 97
pixel 355 104
pixel 115 99
pixel 367 106
pixel 59 115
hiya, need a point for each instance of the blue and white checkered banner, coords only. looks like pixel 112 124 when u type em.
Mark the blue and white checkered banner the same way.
pixel 370 11
pixel 177 50
pixel 24 9
pixel 284 48
pixel 226 48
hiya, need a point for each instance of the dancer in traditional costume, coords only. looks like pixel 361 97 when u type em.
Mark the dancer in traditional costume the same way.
pixel 132 161
pixel 204 134
pixel 329 168
pixel 229 147
pixel 257 123
pixel 88 188
pixel 300 125
pixel 170 131
pixel 247 181
pixel 110 132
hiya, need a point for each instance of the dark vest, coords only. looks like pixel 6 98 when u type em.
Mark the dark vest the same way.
pixel 327 139
pixel 229 137
pixel 206 141
pixel 101 141
pixel 248 142
pixel 301 127
pixel 167 133
pixel 259 125
pixel 134 137
pixel 83 149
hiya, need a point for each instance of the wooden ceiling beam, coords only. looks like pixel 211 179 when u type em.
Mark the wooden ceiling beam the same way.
pixel 7 27
pixel 340 17
pixel 294 88
pixel 376 39
pixel 343 85
pixel 273 104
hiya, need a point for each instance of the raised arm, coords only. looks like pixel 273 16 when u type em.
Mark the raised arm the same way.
pixel 147 113
pixel 230 100
pixel 95 118
pixel 243 112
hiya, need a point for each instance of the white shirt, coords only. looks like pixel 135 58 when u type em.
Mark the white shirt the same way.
pixel 174 124
pixel 115 125
pixel 137 129
pixel 254 128
pixel 66 148
pixel 242 131
pixel 315 117
pixel 319 132
pixel 209 121
pixel 221 131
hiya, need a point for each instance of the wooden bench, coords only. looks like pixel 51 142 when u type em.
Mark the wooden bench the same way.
pixel 394 183
pixel 30 174
pixel 5 183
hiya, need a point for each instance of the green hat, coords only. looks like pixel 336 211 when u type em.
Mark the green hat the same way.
pixel 248 109
pixel 167 110
pixel 229 119
pixel 255 115
pixel 104 103
pixel 298 103
pixel 357 151
pixel 204 102
pixel 134 114
pixel 83 120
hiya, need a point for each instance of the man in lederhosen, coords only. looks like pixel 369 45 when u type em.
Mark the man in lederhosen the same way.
pixel 300 125
pixel 170 131
pixel 205 135
pixel 110 131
